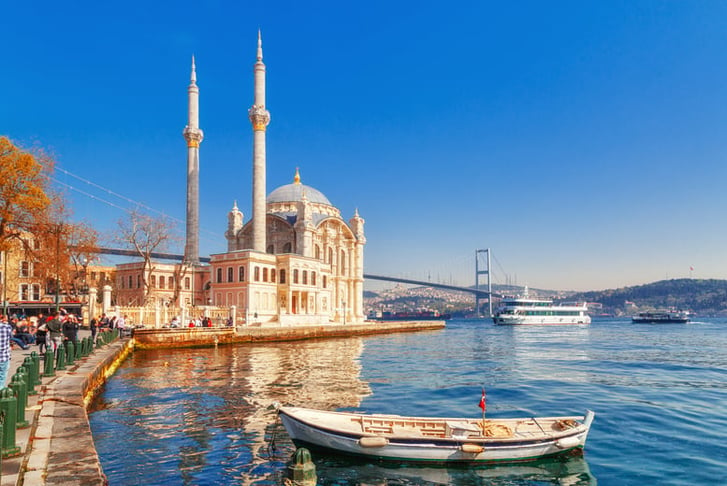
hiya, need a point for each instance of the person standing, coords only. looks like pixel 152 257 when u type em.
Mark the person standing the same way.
pixel 6 334
pixel 94 328
pixel 55 330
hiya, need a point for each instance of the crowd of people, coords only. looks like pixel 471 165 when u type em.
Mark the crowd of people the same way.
pixel 48 332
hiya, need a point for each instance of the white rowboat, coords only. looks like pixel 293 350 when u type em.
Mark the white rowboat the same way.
pixel 426 439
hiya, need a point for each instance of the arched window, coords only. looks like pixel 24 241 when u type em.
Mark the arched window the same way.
pixel 161 282
pixel 186 283
pixel 170 282
pixel 325 282
pixel 318 252
pixel 229 274
pixel 305 277
pixel 241 273
pixel 272 275
pixel 295 275
pixel 153 281
pixel 219 275
pixel 271 249
pixel 287 248
pixel 265 274
pixel 313 278
pixel 330 256
pixel 342 263
pixel 256 274
pixel 138 281
pixel 282 275
pixel 131 282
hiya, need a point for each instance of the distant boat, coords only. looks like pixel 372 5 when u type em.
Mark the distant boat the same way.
pixel 531 311
pixel 659 317
pixel 443 440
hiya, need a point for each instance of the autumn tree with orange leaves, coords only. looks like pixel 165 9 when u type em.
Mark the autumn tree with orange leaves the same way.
pixel 35 220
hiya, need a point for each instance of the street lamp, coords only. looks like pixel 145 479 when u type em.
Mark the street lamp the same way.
pixel 58 259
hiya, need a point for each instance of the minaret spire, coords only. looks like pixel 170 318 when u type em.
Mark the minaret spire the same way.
pixel 259 117
pixel 193 135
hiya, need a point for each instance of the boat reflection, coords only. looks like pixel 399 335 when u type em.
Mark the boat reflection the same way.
pixel 564 471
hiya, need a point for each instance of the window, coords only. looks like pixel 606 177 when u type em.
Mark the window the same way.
pixel 131 282
pixel 121 282
pixel 256 274
pixel 295 276
pixel 287 248
pixel 271 249
pixel 342 264
pixel 282 276
pixel 138 281
pixel 24 295
pixel 330 256
pixel 325 282
pixel 318 252
pixel 153 281
pixel 265 274
pixel 305 277
pixel 272 275
pixel 241 274
pixel 25 270
pixel 230 274
pixel 36 292
pixel 161 282
pixel 170 282
pixel 186 283
pixel 219 275
pixel 313 278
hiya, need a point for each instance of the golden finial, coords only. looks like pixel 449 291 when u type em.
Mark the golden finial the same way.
pixel 296 179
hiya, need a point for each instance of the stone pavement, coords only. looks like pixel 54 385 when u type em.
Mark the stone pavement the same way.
pixel 57 447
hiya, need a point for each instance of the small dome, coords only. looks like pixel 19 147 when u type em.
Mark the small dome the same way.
pixel 294 193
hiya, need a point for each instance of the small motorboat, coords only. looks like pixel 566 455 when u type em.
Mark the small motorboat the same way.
pixel 427 439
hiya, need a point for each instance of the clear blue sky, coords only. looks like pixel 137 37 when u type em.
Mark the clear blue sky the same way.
pixel 583 142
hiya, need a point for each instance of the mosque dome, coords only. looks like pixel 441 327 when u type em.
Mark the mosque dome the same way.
pixel 294 193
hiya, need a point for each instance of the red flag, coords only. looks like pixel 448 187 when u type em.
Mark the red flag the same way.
pixel 483 406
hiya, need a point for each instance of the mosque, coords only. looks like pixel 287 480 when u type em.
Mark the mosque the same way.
pixel 295 261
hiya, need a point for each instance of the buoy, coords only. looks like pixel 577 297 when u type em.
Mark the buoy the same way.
pixel 568 442
pixel 472 448
pixel 375 441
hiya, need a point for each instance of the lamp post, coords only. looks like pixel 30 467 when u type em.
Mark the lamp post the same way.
pixel 58 258
pixel 5 282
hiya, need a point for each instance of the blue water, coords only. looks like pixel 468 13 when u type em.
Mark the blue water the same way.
pixel 203 416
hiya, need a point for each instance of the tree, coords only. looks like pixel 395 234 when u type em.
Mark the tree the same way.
pixel 146 235
pixel 24 193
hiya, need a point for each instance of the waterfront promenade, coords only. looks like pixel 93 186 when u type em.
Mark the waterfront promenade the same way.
pixel 57 447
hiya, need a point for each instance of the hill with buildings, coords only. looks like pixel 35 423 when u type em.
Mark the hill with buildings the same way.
pixel 703 297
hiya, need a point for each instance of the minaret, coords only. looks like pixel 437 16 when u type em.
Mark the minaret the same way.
pixel 193 135
pixel 259 117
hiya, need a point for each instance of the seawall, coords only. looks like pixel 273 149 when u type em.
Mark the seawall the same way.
pixel 202 336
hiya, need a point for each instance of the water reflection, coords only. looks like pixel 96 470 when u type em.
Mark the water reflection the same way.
pixel 188 413
pixel 568 471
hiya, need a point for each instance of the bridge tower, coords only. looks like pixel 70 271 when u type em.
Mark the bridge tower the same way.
pixel 478 273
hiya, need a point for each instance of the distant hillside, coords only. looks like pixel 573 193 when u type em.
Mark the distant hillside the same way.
pixel 705 297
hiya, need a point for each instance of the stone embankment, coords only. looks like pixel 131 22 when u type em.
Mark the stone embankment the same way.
pixel 58 449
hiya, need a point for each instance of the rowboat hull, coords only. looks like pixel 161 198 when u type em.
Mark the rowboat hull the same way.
pixel 312 429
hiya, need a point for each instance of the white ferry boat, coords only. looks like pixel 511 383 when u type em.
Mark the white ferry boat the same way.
pixel 531 311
